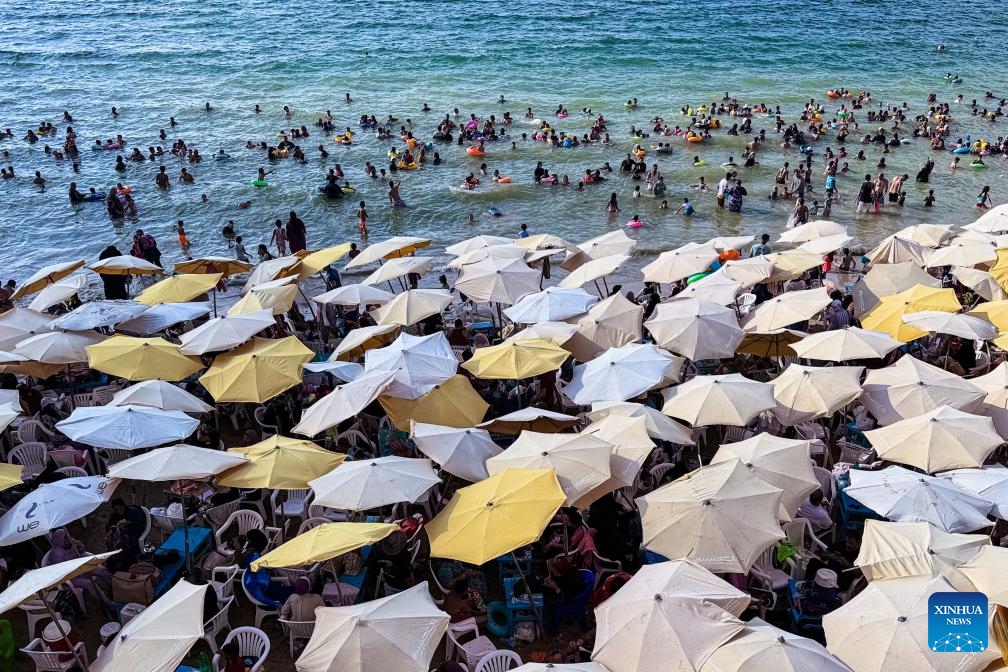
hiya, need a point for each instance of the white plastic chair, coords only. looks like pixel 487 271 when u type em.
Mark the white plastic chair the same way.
pixel 295 631
pixel 77 591
pixel 330 515
pixel 262 610
pixel 83 400
pixel 768 577
pixel 289 504
pixel 32 456
pixel 311 524
pixel 165 524
pixel 71 472
pixel 252 643
pixel 245 520
pixel 216 625
pixel 32 430
pixel 147 527
pixel 222 580
pixel 49 661
pixel 36 612
pixel 264 427
pixel 218 515
pixel 799 532
pixel 745 303
pixel 468 650
pixel 110 456
pixel 658 472
pixel 499 661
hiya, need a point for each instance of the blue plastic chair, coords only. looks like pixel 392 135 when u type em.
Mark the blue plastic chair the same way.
pixel 576 608
pixel 805 625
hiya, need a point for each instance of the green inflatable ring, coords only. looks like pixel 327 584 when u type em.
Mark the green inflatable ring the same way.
pixel 697 276
pixel 260 183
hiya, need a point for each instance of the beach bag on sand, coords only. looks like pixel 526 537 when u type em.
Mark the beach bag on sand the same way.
pixel 135 585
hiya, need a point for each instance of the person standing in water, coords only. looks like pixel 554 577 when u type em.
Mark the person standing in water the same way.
pixel 297 234
pixel 984 198
pixel 393 194
pixel 279 238
pixel 362 220
pixel 612 207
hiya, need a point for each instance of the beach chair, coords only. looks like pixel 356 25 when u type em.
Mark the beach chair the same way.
pixel 53 661
pixel 216 625
pixel 469 650
pixel 499 661
pixel 31 456
pixel 252 643
pixel 296 631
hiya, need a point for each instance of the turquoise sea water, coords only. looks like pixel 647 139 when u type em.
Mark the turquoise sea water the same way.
pixel 156 60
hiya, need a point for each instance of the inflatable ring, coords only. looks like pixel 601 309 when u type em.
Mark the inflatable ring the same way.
pixel 635 223
pixel 961 150
pixel 639 153
pixel 832 94
pixel 408 166
pixel 260 183
pixel 475 151
pixel 697 276
pixel 694 138
pixel 697 164
pixel 504 180
pixel 977 166
pixel 497 619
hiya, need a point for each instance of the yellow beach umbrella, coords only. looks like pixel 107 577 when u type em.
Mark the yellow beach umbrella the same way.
pixel 258 370
pixel 1000 268
pixel 397 246
pixel 885 280
pixel 517 359
pixel 995 312
pixel 179 288
pixel 362 339
pixel 280 463
pixel 46 275
pixel 493 517
pixel 10 475
pixel 141 359
pixel 316 261
pixel 222 265
pixel 126 264
pixel 887 316
pixel 453 403
pixel 775 343
pixel 22 366
pixel 323 543
pixel 278 299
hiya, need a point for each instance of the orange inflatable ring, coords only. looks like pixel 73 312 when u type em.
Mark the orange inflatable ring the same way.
pixel 475 151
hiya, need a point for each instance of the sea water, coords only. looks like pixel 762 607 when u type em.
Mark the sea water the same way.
pixel 157 60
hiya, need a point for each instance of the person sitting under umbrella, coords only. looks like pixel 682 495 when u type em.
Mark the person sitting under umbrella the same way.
pixel 302 604
pixel 65 548
pixel 260 583
pixel 132 515
pixel 462 602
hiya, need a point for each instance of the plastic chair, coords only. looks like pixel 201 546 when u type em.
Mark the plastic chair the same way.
pixel 311 524
pixel 576 607
pixel 799 532
pixel 110 456
pixel 469 651
pixel 165 524
pixel 36 612
pixel 499 661
pixel 222 580
pixel 289 504
pixel 53 661
pixel 264 427
pixel 767 576
pixel 32 456
pixel 219 623
pixel 297 630
pixel 252 643
pixel 147 527
pixel 218 515
pixel 245 520
pixel 262 609
pixel 658 472
pixel 83 400
pixel 72 472
pixel 31 431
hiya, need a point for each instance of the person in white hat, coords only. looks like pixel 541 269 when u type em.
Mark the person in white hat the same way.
pixel 822 595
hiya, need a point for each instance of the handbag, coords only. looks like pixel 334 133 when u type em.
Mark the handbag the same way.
pixel 133 587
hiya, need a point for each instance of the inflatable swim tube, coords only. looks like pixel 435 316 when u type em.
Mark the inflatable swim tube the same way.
pixel 408 166
pixel 832 94
pixel 635 223
pixel 504 180
pixel 697 164
pixel 260 183
pixel 697 276
pixel 94 197
pixel 694 138
pixel 961 150
pixel 475 151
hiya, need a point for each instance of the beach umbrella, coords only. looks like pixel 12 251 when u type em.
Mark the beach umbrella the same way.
pixel 730 399
pixel 495 516
pixel 397 246
pixel 175 463
pixel 95 314
pixel 592 270
pixel 542 241
pixel 516 359
pixel 479 242
pixel 278 300
pixel 561 332
pixel 773 343
pixel 532 419
pixel 791 264
pixel 396 268
pixel 721 516
pixel 272 269
pixel 680 263
pixel 749 272
pixel 368 484
pixel 453 402
pixel 910 388
pixel 162 316
pixel 342 371
pixel 716 288
pixel 669 616
pixel 844 345
pixel 22 366
pixel 18 324
pixel 695 329
pixel 894 550
pixel 53 505
pixel 141 359
pixel 994 240
pixel 157 639
pixel 893 250
pixel 461 452
pixel 658 426
pixel 224 333
pixel 553 303
pixel 886 280
pixel 412 306
pixel 786 309
pixel 562 667
pixel 58 347
pixel 257 371
pixel 58 292
pixel 818 228
pixel 942 439
pixel 125 264
pixel 989 482
pixel 902 495
pixel 345 401
pixel 994 220
pixel 885 626
pixel 622 373
pixel 611 323
pixel 223 265
pixel 804 393
pixel 927 235
pixel 315 262
pixel 966 254
pixel 503 281
pixel 887 316
pixel 498 252
pixel 762 646
pixel 608 244
pixel 179 288
pixel 725 243
pixel 8 412
pixel 1000 268
pixel 355 295
pixel 10 474
pixel 419 362
pixel 581 462
pixel 781 462
pixel 826 244
pixel 126 427
pixel 995 312
pixel 159 394
pixel 279 463
pixel 981 282
pixel 631 447
pixel 324 542
pixel 45 276
pixel 358 341
pixel 956 324
pixel 400 632
pixel 984 572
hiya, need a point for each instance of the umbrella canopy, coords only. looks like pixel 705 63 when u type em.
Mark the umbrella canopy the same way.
pixel 717 288
pixel 608 244
pixel 127 427
pixel 561 332
pixel 316 261
pixel 762 646
pixel 396 268
pixel 126 264
pixel 1000 268
pixel 141 359
pixel 893 250
pixel 791 264
pixel 343 371
pixel 95 314
pixel 58 292
pixel 911 387
pixel 10 474
pixel 179 288
pixel 783 463
pixel 631 447
pixel 45 276
pixel 276 299
pixel 942 439
pixel 995 312
pixel 53 505
pixel 562 667
pixel 223 265
pixel 805 393
pixel 844 345
pixel 894 550
pixel 532 419
pixel 675 265
pixel 887 316
pixel 669 616
pixel 902 495
pixel 19 323
pixel 886 626
pixel 420 363
pixel 499 252
pixel 553 303
pixel 412 306
pixel 581 462
pixel 818 228
pixel 454 402
pixel 258 370
pixel 983 572
pixel 927 235
pixel 362 339
pixel 991 221
pixel 721 516
pixel 658 426
pixel 966 254
pixel 956 324
pixel 774 343
pixel 355 295
pixel 749 272
pixel 163 315
pixel 981 282
pixel 826 244
pixel 368 484
pixel 159 394
pixel 479 242
pixel 989 483
pixel 786 309
pixel 158 638
pixel 888 279
pixel 495 516
pixel 593 270
pixel 610 323
pixel 58 347
pixel 730 399
pixel 35 581
pixel 279 463
pixel 176 463
pixel 345 401
pixel 695 329
pixel 504 281
pixel 725 243
pixel 400 632
pixel 18 365
pixel 224 333
pixel 272 269
pixel 515 360
pixel 622 373
pixel 461 452
pixel 322 543
pixel 397 246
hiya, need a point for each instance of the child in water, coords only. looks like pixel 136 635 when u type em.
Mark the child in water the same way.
pixel 362 220
pixel 182 239
pixel 686 208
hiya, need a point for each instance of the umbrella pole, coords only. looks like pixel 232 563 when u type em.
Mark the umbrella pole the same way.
pixel 308 301
pixel 531 596
pixel 606 285
pixel 597 288
pixel 215 302
pixel 63 633
pixel 185 532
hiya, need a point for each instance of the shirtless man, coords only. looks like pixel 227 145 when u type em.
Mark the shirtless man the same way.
pixel 162 179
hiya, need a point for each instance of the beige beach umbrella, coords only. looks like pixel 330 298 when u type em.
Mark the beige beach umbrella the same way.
pixel 622 373
pixel 658 426
pixel 45 276
pixel 224 333
pixel 345 401
pixel 981 282
pixel 58 347
pixel 721 516
pixel 159 394
pixel 725 243
pixel 397 246
pixel 910 388
pixel 695 329
pixel 179 288
pixel 395 268
pixel 358 341
pixel 994 220
pixel 515 360
pixel 804 393
pixel 893 250
pixel 354 295
pixel 223 265
pixel 126 264
pixel 498 252
pixel 749 272
pixel 887 315
pixel 730 399
pixel 844 345
pixel 593 270
pixel 368 484
pixel 826 244
pixel 996 241
pixel 631 448
pixel 559 332
pixel 786 309
pixel 503 281
pixel 552 303
pixel 680 263
pixel 58 292
pixel 885 627
pixel 608 244
pixel 886 280
pixel 894 550
pixel 984 572
pixel 791 264
pixel 956 324
pixel 461 452
pixel 927 235
pixel 412 306
pixel 479 242
pixel 18 324
pixel 542 241
pixel 762 646
pixel 278 300
pixel 995 312
pixel 774 343
pixel 966 255
pixel 942 439
pixel 818 228
pixel 989 482
pixel 611 323
pixel 995 402
pixel 784 463
pixel 716 288
pixel 529 419
pixel 22 366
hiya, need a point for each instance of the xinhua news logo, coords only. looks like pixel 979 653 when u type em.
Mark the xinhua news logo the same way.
pixel 957 622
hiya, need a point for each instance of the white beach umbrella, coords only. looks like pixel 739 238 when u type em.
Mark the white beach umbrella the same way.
pixel 561 332
pixel 622 373
pixel 725 243
pixel 781 462
pixel 368 484
pixel 271 269
pixel 818 228
pixel 175 463
pixel 57 347
pixel 354 295
pixel 786 309
pixel 981 282
pixel 911 387
pixel 885 280
pixel 826 243
pixel 682 262
pixel 498 252
pixel 989 482
pixel 163 315
pixel 955 324
pixel 592 270
pixel 420 363
pixel 530 418
pixel 343 371
pixel 345 401
pixel 34 582
pixel 412 306
pixel 360 340
pixel 928 235
pixel 843 345
pixel 503 281
pixel 553 303
pixel 967 255
pixel 984 572
pixel 159 394
pixel 611 323
pixel 631 447
pixel 224 333
pixel 98 314
pixel 18 324
pixel 805 393
pixel 716 288
pixel 396 268
pixel 53 505
pixel 695 329
pixel 893 550
pixel 397 246
pixel 613 242
pixel 479 242
pixel 994 220
pixel 58 292
pixel 658 425
pixel 460 452
pixel 893 250
pixel 126 427
pixel 762 646
pixel 730 399
pixel 749 272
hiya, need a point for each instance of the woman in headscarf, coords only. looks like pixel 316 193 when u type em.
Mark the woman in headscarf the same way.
pixel 64 548
pixel 302 604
